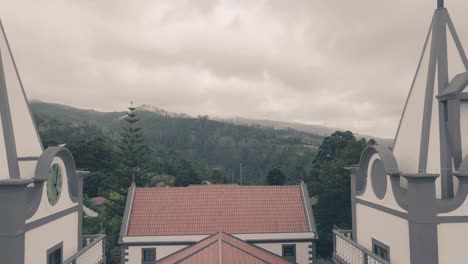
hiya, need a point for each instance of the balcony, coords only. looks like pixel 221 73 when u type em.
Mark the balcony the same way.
pixel 346 251
pixel 93 251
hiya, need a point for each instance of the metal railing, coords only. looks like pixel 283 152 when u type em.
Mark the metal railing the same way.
pixel 93 251
pixel 346 251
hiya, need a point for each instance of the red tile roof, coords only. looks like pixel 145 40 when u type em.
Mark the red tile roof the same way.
pixel 98 200
pixel 207 210
pixel 223 248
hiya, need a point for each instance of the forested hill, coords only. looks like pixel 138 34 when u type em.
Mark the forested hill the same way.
pixel 186 150
pixel 203 142
pixel 309 128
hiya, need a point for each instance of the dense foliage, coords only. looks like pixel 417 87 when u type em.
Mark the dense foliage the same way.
pixel 276 177
pixel 203 142
pixel 330 182
pixel 163 150
pixel 217 176
pixel 132 155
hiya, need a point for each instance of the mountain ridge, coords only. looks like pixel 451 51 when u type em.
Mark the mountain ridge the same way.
pixel 308 128
pixel 102 119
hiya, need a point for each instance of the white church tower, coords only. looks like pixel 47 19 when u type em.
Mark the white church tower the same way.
pixel 410 205
pixel 41 197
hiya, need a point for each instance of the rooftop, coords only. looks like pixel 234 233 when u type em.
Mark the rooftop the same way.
pixel 208 210
pixel 223 248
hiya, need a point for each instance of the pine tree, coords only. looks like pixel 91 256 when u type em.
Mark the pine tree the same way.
pixel 132 152
pixel 132 156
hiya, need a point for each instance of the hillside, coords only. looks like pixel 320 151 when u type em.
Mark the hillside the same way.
pixel 313 129
pixel 205 143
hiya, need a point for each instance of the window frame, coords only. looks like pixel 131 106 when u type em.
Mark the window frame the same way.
pixel 53 249
pixel 382 246
pixel 283 246
pixel 143 261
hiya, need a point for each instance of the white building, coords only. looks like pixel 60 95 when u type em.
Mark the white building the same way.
pixel 410 205
pixel 40 191
pixel 163 224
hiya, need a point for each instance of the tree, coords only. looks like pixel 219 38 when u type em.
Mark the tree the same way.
pixel 111 219
pixel 161 180
pixel 98 157
pixel 132 154
pixel 217 176
pixel 185 174
pixel 276 177
pixel 330 181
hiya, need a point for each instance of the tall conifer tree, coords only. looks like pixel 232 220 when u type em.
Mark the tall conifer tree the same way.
pixel 133 153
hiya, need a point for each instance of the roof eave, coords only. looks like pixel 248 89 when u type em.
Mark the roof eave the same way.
pixel 127 213
pixel 308 209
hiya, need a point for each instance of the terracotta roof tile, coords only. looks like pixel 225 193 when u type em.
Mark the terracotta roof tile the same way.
pixel 98 200
pixel 223 248
pixel 207 210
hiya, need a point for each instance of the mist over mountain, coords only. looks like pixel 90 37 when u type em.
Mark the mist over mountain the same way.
pixel 106 119
pixel 313 129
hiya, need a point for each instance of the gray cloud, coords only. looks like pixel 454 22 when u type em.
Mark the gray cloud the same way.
pixel 346 64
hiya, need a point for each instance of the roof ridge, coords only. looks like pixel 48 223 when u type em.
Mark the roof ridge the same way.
pixel 244 243
pixel 221 238
pixel 218 186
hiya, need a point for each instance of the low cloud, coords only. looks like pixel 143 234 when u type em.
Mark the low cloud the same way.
pixel 346 64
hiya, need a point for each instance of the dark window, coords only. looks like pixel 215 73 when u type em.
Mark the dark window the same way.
pixel 289 252
pixel 148 255
pixel 55 256
pixel 381 250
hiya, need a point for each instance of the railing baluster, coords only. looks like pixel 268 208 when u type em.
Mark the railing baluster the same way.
pixel 350 252
pixel 92 253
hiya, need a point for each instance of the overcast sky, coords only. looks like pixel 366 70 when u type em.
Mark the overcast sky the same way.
pixel 338 63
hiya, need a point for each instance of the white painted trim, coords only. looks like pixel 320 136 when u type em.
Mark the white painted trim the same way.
pixel 306 207
pixel 130 212
pixel 196 238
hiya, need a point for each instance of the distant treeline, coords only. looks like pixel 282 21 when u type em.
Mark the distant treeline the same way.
pixel 202 142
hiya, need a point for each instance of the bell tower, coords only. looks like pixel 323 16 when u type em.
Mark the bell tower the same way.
pixel 40 190
pixel 434 145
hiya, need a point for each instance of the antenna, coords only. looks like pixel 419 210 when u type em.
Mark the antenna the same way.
pixel 440 3
pixel 240 172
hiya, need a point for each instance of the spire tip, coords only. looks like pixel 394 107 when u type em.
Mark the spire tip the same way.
pixel 440 3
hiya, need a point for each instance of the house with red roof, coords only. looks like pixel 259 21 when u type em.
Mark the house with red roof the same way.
pixel 223 248
pixel 218 224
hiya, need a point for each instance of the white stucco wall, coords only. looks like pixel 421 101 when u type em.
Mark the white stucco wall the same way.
pixel 64 202
pixel 369 194
pixel 64 229
pixel 27 168
pixel 302 250
pixel 453 238
pixel 134 252
pixel 388 229
pixel 39 240
pixel 27 140
pixel 406 148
